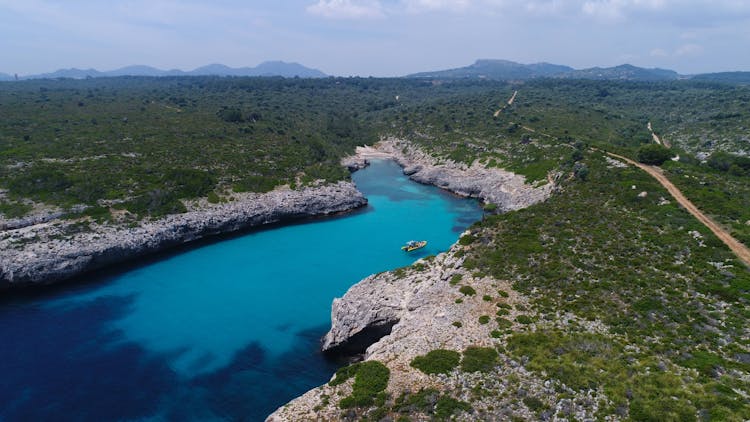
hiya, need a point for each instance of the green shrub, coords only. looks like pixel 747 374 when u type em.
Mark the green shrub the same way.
pixel 156 203
pixel 457 324
pixel 344 374
pixel 704 362
pixel 213 198
pixel 370 380
pixel 724 161
pixel 230 115
pixel 487 298
pixel 447 406
pixel 422 401
pixel 437 361
pixel 524 319
pixel 14 209
pixel 503 323
pixel 653 154
pixel 467 290
pixel 533 403
pixel 258 184
pixel 189 183
pixel 455 278
pixel 484 319
pixel 503 293
pixel 479 359
pixel 466 239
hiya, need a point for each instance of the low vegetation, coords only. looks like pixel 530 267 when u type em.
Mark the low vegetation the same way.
pixel 438 361
pixel 370 380
pixel 627 298
pixel 479 359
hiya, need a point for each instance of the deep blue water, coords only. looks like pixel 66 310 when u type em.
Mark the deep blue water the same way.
pixel 225 331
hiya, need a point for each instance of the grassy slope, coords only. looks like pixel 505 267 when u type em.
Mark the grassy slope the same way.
pixel 672 302
pixel 674 299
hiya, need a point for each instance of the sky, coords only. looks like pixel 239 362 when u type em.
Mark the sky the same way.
pixel 373 37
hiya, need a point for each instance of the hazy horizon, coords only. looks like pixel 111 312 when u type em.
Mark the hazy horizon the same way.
pixel 373 37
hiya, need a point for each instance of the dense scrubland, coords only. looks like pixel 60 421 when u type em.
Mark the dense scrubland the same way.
pixel 673 298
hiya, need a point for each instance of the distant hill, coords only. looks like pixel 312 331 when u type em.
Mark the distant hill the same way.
pixel 271 68
pixel 728 77
pixel 498 69
pixel 508 70
pixel 623 72
pixel 72 73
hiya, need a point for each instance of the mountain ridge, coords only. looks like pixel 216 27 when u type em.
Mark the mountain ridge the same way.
pixel 268 68
pixel 505 69
pixel 497 69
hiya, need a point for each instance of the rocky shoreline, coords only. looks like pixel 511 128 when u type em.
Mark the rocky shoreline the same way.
pixel 57 250
pixel 395 316
pixel 508 191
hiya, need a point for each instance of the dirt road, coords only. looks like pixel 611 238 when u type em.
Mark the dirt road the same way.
pixel 508 103
pixel 742 251
pixel 656 138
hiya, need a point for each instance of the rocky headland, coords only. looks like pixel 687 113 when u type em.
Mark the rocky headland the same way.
pixel 56 249
pixel 427 307
pixel 396 316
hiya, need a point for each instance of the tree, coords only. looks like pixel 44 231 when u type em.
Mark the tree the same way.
pixel 653 154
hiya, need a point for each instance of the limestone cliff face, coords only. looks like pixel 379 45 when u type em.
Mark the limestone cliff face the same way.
pixel 393 317
pixel 509 191
pixel 429 312
pixel 50 252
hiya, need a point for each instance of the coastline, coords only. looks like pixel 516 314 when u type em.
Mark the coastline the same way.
pixel 52 252
pixel 507 191
pixel 392 317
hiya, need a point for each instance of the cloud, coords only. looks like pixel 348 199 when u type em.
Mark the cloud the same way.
pixel 681 13
pixel 688 50
pixel 681 51
pixel 347 9
pixel 417 6
pixel 620 9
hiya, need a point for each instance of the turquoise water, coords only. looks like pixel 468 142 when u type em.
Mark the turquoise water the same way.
pixel 225 331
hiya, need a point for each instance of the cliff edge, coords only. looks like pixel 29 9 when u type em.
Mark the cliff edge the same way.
pixel 57 250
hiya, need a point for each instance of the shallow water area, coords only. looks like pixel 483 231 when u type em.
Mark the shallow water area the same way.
pixel 224 331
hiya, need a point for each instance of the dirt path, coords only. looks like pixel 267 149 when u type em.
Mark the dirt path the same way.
pixel 656 138
pixel 169 107
pixel 507 104
pixel 513 98
pixel 742 251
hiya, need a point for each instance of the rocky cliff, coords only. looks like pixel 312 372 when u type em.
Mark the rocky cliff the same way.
pixel 396 316
pixel 508 191
pixel 57 250
pixel 428 307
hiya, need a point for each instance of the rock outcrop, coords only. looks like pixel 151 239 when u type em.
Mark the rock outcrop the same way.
pixel 53 251
pixel 408 313
pixel 509 191
pixel 430 313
